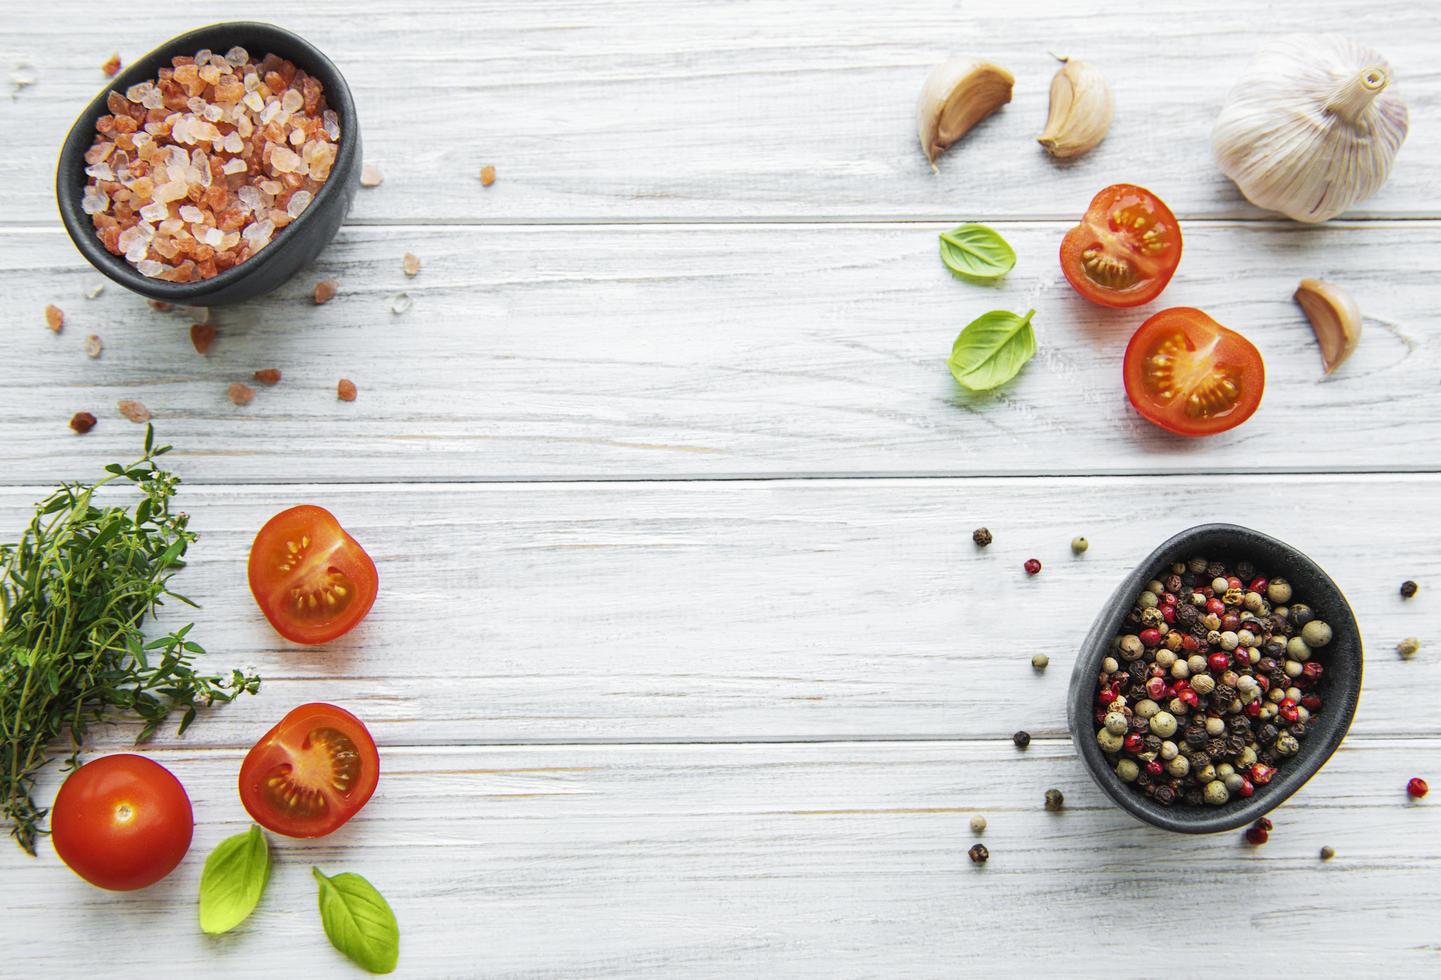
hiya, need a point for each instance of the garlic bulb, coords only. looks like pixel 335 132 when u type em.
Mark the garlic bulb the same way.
pixel 1081 110
pixel 958 94
pixel 1310 129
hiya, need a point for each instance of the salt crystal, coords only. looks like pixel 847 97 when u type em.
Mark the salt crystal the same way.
pixel 410 264
pixel 252 82
pixel 191 214
pixel 94 201
pixel 271 187
pixel 172 191
pixel 92 345
pixel 249 198
pixel 254 101
pixel 181 130
pixel 100 171
pixel 150 268
pixel 237 56
pixel 137 252
pixel 283 159
pixel 154 99
pixel 136 93
pixel 95 290
pixel 401 303
pixel 345 390
pixel 213 113
pixel 370 176
pixel 231 239
pixel 240 394
pixel 244 127
pixel 54 318
pixel 299 201
pixel 210 74
pixel 271 110
pixel 133 410
pixel 331 123
pixel 234 165
pixel 291 101
pixel 147 231
pixel 171 226
pixel 233 143
pixel 297 136
pixel 213 237
pixel 325 291
pixel 99 152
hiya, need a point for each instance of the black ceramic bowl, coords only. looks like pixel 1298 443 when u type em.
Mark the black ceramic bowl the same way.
pixel 1339 687
pixel 294 245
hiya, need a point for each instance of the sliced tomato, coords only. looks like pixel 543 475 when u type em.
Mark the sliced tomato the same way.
pixel 1190 375
pixel 312 580
pixel 310 773
pixel 1125 250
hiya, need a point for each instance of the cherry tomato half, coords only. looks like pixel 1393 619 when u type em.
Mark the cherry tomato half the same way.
pixel 122 822
pixel 1125 250
pixel 1190 375
pixel 310 773
pixel 312 580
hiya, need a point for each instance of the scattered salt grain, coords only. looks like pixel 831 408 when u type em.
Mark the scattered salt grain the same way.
pixel 92 346
pixel 82 422
pixel 401 303
pixel 268 376
pixel 54 318
pixel 240 393
pixel 112 65
pixel 159 305
pixel 410 264
pixel 345 390
pixel 202 335
pixel 487 175
pixel 95 290
pixel 370 176
pixel 133 410
pixel 325 291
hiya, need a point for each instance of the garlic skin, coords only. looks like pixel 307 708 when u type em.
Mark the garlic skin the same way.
pixel 1334 317
pixel 1082 108
pixel 956 95
pixel 1310 129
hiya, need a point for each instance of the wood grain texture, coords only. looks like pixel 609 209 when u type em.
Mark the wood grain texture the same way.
pixel 712 351
pixel 775 610
pixel 772 860
pixel 664 109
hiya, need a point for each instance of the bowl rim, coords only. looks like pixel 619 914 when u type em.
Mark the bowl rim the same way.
pixel 1093 649
pixel 70 167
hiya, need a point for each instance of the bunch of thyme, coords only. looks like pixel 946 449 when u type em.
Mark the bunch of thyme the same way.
pixel 75 591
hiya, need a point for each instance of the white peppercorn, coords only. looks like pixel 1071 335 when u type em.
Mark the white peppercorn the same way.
pixel 1203 683
pixel 1408 647
pixel 1234 782
pixel 1163 724
pixel 1169 750
pixel 1179 766
pixel 1229 641
pixel 1224 769
pixel 1246 683
pixel 1040 661
pixel 1127 770
pixel 1219 585
pixel 1155 588
pixel 978 824
pixel 1116 723
pixel 1109 665
pixel 1197 663
pixel 1165 659
pixel 1215 726
pixel 1286 744
pixel 1297 649
pixel 1278 590
pixel 1293 668
pixel 1316 633
pixel 1147 600
pixel 1079 545
pixel 1180 670
pixel 1110 742
pixel 1206 773
pixel 1246 637
pixel 1146 708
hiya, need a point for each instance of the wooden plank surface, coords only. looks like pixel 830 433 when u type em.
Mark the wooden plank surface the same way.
pixel 774 860
pixel 712 351
pixel 690 109
pixel 809 609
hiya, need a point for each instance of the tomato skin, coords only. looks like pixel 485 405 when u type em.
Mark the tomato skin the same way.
pixel 122 822
pixel 1206 360
pixel 1143 268
pixel 311 579
pixel 307 752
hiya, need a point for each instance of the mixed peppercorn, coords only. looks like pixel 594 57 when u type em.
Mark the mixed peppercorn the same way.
pixel 1210 685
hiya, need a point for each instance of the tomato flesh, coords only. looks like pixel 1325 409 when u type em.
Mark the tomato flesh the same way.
pixel 310 773
pixel 1190 375
pixel 311 579
pixel 122 822
pixel 1125 250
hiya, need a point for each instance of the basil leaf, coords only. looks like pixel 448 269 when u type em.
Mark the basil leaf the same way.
pixel 992 349
pixel 358 921
pixel 233 880
pixel 977 253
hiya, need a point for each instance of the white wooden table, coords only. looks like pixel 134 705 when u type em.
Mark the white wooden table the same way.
pixel 684 663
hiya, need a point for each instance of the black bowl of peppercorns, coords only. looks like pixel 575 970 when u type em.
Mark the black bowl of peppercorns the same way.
pixel 1220 676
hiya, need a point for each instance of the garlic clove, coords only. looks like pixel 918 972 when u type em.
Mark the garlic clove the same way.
pixel 1082 108
pixel 956 95
pixel 1334 316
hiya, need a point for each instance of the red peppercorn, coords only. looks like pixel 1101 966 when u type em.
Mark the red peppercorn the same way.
pixel 1287 710
pixel 1240 657
pixel 1151 637
pixel 1312 670
pixel 1257 836
pixel 1168 613
pixel 1168 598
pixel 1261 774
pixel 1135 743
pixel 1156 687
pixel 1259 585
pixel 1218 662
pixel 1311 703
pixel 1232 582
pixel 1417 788
pixel 1253 709
pixel 1231 622
pixel 1100 715
pixel 1033 566
pixel 1105 697
pixel 1247 787
pixel 1189 697
pixel 1263 682
pixel 1216 606
pixel 1190 643
pixel 1264 823
pixel 1153 768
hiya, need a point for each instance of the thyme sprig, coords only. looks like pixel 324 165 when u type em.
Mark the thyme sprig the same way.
pixel 75 590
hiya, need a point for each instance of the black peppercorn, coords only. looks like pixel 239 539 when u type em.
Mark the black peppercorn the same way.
pixel 978 852
pixel 1223 695
pixel 1144 781
pixel 1152 743
pixel 1301 614
pixel 1165 795
pixel 1196 736
pixel 1235 744
pixel 1216 569
pixel 1298 730
pixel 1194 797
pixel 1267 733
pixel 1266 665
pixel 1173 583
pixel 1187 615
pixel 1239 724
pixel 1270 756
pixel 981 537
pixel 1245 571
pixel 1054 800
pixel 1022 739
pixel 1216 748
pixel 1409 589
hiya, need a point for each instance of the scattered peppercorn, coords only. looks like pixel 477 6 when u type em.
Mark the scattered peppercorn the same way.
pixel 1417 788
pixel 981 537
pixel 1022 739
pixel 1256 836
pixel 979 854
pixel 1079 545
pixel 978 824
pixel 1040 661
pixel 1409 589
pixel 1055 800
pixel 1033 566
pixel 1328 852
pixel 82 422
pixel 1408 647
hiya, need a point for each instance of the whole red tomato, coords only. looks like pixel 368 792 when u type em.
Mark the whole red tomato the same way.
pixel 122 822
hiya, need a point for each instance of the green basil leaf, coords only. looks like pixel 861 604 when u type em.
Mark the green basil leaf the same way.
pixel 977 253
pixel 358 921
pixel 992 349
pixel 233 880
